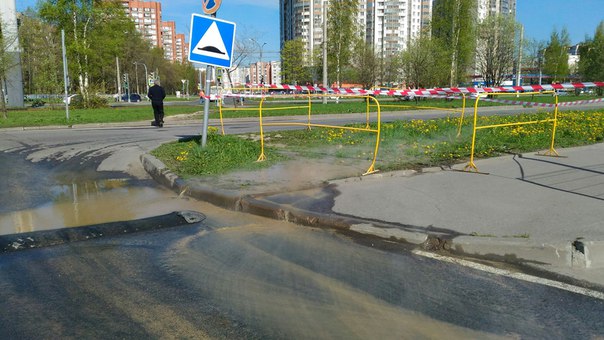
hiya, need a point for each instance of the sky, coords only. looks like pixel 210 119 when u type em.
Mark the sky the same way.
pixel 259 19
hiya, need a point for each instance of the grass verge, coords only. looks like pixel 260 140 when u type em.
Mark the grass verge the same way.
pixel 46 116
pixel 403 144
pixel 222 154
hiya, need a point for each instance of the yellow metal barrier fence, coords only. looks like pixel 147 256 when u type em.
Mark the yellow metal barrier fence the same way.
pixel 367 128
pixel 551 152
pixel 237 92
pixel 257 93
pixel 461 116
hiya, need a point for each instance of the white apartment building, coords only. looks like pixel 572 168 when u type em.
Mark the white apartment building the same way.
pixel 239 77
pixel 387 25
pixel 304 19
pixel 493 7
pixel 275 75
pixel 391 24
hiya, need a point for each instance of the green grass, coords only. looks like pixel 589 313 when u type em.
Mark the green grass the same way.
pixel 222 154
pixel 56 115
pixel 545 98
pixel 47 117
pixel 403 144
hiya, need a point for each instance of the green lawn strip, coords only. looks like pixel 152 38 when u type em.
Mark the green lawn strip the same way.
pixel 46 117
pixel 222 154
pixel 276 108
pixel 545 98
pixel 403 144
pixel 56 115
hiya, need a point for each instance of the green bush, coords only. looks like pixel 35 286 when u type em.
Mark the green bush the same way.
pixel 93 102
pixel 37 103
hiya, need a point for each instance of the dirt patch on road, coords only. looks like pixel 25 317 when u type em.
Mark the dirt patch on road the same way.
pixel 285 176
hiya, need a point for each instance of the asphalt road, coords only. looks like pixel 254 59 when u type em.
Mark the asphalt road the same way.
pixel 241 276
pixel 253 279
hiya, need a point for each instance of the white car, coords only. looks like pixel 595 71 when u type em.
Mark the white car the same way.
pixel 68 99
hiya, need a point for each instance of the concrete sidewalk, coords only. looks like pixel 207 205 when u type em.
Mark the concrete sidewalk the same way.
pixel 525 209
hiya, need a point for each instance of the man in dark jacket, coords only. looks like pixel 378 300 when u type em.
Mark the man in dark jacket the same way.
pixel 157 95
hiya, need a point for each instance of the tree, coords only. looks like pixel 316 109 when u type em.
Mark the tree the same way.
pixel 96 31
pixel 341 33
pixel 9 61
pixel 556 56
pixel 423 64
pixel 453 28
pixel 532 55
pixel 243 49
pixel 495 49
pixel 591 63
pixel 41 55
pixel 293 70
pixel 388 69
pixel 118 36
pixel 364 64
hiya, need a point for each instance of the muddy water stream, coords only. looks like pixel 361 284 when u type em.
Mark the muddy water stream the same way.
pixel 41 197
pixel 93 202
pixel 233 276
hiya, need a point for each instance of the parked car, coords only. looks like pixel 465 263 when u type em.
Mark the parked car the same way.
pixel 69 98
pixel 134 97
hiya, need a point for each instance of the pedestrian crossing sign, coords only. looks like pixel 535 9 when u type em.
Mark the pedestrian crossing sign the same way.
pixel 211 41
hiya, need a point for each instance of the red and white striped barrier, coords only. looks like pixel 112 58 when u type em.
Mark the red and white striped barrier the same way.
pixel 517 102
pixel 429 92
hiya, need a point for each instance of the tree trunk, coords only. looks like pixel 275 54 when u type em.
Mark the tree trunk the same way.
pixel 2 100
pixel 235 99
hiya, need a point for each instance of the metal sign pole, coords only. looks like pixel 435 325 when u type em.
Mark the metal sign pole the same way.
pixel 208 88
pixel 206 108
pixel 65 75
pixel 203 42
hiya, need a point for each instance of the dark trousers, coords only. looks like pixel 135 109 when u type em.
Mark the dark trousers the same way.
pixel 158 112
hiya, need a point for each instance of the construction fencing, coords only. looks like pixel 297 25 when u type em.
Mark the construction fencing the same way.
pixel 308 97
pixel 301 98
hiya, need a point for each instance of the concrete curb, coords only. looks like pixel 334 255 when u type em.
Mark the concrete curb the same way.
pixel 589 254
pixel 161 174
pixel 583 254
pixel 254 204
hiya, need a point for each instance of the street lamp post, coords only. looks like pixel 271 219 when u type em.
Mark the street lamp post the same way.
pixel 540 56
pixel 261 62
pixel 261 65
pixel 138 89
pixel 325 50
pixel 146 75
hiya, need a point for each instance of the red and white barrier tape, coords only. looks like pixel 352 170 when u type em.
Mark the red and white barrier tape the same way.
pixel 434 91
pixel 516 102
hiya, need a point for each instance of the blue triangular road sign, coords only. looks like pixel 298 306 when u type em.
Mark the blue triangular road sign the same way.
pixel 211 41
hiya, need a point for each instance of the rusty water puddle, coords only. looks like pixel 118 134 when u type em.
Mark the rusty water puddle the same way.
pixel 93 202
pixel 65 199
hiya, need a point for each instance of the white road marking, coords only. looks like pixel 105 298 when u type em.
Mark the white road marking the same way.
pixel 515 275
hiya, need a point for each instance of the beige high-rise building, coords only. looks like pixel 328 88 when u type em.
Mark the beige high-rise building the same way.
pixel 147 18
pixel 168 39
pixel 181 48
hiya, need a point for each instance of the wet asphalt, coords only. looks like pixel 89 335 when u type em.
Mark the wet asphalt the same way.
pixel 209 280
